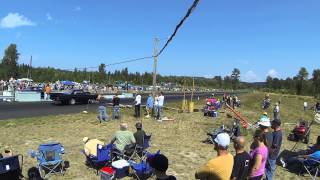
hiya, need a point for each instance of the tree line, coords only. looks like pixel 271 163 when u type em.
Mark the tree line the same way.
pixel 300 84
pixel 10 67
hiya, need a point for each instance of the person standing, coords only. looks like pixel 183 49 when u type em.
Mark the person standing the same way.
pixel 156 106
pixel 276 111
pixel 47 92
pixel 149 105
pixel 274 149
pixel 160 106
pixel 258 155
pixel 240 169
pixel 102 110
pixel 221 166
pixel 116 107
pixel 137 103
pixel 305 106
pixel 264 125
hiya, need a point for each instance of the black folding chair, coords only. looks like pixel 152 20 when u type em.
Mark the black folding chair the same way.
pixel 11 168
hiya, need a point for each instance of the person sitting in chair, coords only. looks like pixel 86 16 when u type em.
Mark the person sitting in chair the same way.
pixel 7 152
pixel 313 152
pixel 139 135
pixel 306 159
pixel 90 146
pixel 123 137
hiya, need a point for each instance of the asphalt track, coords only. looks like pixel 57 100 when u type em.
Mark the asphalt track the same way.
pixel 32 109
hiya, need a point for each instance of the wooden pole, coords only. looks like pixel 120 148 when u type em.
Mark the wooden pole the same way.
pixel 155 62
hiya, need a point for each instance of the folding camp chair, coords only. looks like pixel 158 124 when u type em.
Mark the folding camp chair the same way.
pixel 11 168
pixel 50 160
pixel 143 170
pixel 140 152
pixel 104 157
pixel 312 167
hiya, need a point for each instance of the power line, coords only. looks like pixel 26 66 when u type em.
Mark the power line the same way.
pixel 115 63
pixel 130 60
pixel 189 12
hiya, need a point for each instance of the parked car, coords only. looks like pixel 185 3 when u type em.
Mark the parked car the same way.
pixel 73 97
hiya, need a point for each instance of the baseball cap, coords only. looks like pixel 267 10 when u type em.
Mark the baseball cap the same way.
pixel 222 139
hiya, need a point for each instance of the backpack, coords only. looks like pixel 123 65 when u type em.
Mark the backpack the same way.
pixel 34 174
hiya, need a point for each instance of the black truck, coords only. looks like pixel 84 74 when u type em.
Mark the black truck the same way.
pixel 72 97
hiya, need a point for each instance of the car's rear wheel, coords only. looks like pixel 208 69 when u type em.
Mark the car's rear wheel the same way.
pixel 72 101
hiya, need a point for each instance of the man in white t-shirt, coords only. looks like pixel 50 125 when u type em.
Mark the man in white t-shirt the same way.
pixel 160 106
pixel 305 106
pixel 137 103
pixel 276 111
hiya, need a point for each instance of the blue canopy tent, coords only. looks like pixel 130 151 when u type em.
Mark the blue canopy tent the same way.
pixel 68 83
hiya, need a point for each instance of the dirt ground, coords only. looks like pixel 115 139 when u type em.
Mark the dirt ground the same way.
pixel 179 140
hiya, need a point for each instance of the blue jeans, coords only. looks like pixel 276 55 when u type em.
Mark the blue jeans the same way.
pixel 270 168
pixel 158 112
pixel 103 113
pixel 116 112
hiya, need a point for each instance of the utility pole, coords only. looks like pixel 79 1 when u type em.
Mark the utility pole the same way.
pixel 155 61
pixel 29 69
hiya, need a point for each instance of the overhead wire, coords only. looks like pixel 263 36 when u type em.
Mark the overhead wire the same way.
pixel 189 12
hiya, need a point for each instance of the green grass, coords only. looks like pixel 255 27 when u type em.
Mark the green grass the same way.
pixel 180 140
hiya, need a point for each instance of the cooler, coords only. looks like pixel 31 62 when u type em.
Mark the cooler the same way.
pixel 107 173
pixel 121 168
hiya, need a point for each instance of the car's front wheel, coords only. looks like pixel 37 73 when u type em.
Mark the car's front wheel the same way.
pixel 72 101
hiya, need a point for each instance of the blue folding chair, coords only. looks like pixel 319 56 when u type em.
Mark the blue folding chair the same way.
pixel 141 170
pixel 138 151
pixel 312 167
pixel 50 160
pixel 104 157
pixel 11 168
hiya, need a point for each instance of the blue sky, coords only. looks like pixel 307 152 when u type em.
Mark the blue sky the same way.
pixel 258 37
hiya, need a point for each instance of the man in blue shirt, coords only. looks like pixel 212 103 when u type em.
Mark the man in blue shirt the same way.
pixel 149 105
pixel 305 159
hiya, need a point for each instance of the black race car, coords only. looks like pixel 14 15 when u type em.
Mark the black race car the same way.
pixel 72 97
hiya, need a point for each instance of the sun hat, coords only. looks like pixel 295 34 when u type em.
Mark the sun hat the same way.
pixel 264 121
pixel 222 139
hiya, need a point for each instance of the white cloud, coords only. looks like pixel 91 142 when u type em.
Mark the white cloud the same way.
pixel 49 17
pixel 272 73
pixel 251 76
pixel 13 20
pixel 77 8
